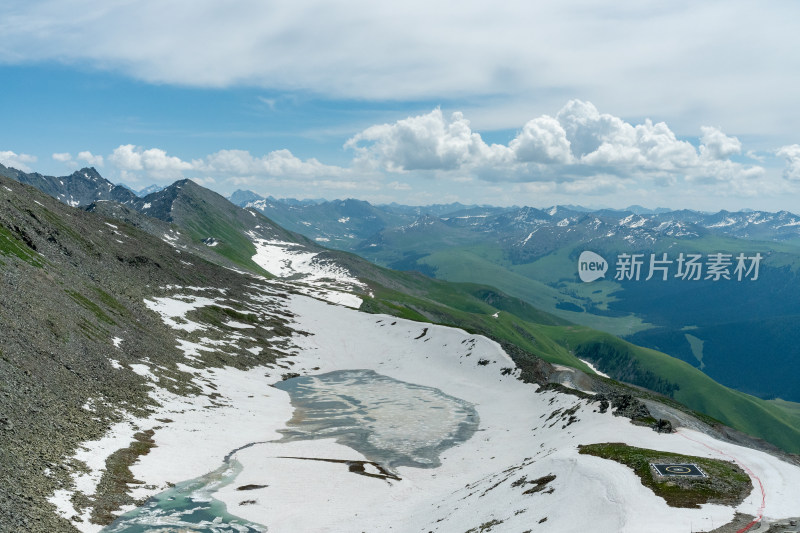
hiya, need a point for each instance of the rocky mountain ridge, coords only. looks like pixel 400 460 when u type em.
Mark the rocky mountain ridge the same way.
pixel 82 187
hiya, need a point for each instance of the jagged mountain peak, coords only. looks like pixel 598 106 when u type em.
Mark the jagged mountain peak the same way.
pixel 90 173
pixel 241 197
pixel 80 188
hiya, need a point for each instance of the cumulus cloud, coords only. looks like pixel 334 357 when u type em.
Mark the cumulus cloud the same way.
pixel 85 156
pixel 18 161
pixel 577 151
pixel 603 140
pixel 89 158
pixel 424 142
pixel 126 157
pixel 237 166
pixel 717 145
pixel 277 163
pixel 579 143
pixel 153 161
pixel 542 140
pixel 792 155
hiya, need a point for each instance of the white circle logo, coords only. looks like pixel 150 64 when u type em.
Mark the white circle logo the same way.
pixel 591 266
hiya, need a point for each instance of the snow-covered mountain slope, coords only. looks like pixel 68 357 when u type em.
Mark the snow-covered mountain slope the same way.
pixel 313 274
pixel 476 483
pixel 525 440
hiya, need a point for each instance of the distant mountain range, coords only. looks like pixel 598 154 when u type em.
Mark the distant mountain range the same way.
pixel 338 221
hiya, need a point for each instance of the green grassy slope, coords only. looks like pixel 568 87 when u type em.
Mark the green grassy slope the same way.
pixel 205 214
pixel 775 422
pixel 469 312
pixel 479 265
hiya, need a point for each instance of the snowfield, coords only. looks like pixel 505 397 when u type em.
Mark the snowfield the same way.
pixel 312 275
pixel 481 483
pixel 474 485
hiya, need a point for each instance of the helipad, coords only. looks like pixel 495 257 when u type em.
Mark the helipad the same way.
pixel 683 470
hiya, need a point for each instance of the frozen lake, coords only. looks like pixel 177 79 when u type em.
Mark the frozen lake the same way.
pixel 392 423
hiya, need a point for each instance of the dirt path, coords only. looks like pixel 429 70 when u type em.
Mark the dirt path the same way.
pixel 750 473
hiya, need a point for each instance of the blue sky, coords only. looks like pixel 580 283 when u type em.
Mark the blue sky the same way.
pixel 683 104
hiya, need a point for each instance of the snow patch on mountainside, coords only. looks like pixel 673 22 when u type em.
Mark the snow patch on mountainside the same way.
pixel 318 277
pixel 173 310
pixel 596 371
pixel 728 221
pixel 230 401
pixel 93 456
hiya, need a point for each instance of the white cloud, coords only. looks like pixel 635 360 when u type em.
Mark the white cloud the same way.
pixel 603 140
pixel 667 59
pixel 63 157
pixel 424 142
pixel 792 155
pixel 126 157
pixel 577 152
pixel 578 144
pixel 717 145
pixel 236 162
pixel 88 157
pixel 18 161
pixel 276 163
pixel 542 140
pixel 153 161
pixel 236 166
pixel 157 162
pixel 85 156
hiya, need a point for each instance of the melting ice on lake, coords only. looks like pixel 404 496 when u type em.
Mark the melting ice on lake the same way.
pixel 390 422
